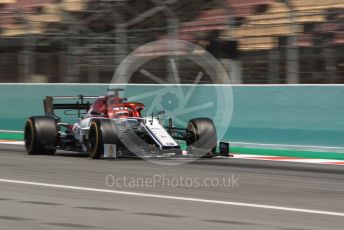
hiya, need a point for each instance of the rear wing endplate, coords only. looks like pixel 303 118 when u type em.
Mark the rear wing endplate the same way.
pixel 80 105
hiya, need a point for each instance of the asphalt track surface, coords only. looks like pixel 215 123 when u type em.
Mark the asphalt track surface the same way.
pixel 69 191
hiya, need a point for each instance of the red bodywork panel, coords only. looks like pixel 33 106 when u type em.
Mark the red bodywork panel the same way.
pixel 115 107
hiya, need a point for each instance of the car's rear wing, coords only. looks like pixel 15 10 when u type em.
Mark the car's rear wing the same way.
pixel 50 106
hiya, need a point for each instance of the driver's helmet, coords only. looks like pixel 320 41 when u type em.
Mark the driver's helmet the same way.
pixel 121 114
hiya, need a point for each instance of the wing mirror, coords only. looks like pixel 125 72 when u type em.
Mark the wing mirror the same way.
pixel 95 113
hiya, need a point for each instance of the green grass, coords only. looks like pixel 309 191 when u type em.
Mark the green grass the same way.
pixel 12 136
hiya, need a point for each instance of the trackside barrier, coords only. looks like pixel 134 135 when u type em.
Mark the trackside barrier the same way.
pixel 295 115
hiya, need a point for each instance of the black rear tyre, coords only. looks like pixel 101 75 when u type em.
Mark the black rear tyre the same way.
pixel 40 135
pixel 101 132
pixel 201 136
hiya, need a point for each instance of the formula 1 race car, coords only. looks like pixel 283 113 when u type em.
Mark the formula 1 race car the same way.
pixel 113 127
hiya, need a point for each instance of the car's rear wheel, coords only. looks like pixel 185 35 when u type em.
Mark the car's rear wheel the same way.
pixel 201 136
pixel 40 135
pixel 101 132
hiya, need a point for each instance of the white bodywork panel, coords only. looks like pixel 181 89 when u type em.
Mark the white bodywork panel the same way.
pixel 153 127
pixel 159 132
pixel 81 129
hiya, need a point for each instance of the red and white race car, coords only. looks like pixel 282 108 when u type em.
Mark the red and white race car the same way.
pixel 113 127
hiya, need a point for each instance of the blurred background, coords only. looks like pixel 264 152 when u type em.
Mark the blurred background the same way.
pixel 257 41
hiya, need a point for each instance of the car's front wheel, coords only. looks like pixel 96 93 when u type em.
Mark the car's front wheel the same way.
pixel 201 136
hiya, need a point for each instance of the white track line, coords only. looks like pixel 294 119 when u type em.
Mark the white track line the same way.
pixel 11 142
pixel 288 159
pixel 251 205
